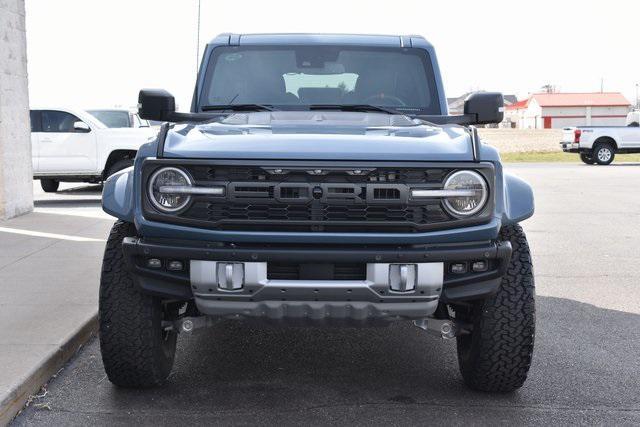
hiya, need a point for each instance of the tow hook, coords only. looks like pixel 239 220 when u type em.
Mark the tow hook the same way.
pixel 188 324
pixel 445 328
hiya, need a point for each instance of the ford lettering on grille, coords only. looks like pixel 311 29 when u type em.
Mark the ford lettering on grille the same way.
pixel 316 199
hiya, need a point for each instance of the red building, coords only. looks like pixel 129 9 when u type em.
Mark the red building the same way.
pixel 559 110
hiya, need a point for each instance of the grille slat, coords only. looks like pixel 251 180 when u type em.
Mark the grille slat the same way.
pixel 336 213
pixel 257 174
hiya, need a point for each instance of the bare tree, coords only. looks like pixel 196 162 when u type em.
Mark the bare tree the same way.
pixel 549 88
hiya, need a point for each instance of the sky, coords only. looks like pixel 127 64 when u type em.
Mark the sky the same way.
pixel 98 54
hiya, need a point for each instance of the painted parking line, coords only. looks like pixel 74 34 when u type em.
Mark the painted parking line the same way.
pixel 49 235
pixel 80 212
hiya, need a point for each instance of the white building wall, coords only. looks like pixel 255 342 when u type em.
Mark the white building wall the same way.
pixel 585 116
pixel 608 121
pixel 564 111
pixel 559 123
pixel 16 176
pixel 510 116
pixel 575 116
pixel 618 116
pixel 532 116
pixel 610 111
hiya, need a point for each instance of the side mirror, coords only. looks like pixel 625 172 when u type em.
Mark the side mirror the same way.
pixel 80 126
pixel 487 107
pixel 156 104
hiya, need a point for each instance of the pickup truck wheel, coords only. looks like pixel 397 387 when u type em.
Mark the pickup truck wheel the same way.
pixel 603 153
pixel 495 356
pixel 587 158
pixel 136 350
pixel 118 166
pixel 49 185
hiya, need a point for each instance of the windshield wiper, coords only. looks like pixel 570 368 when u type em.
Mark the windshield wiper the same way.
pixel 353 107
pixel 238 107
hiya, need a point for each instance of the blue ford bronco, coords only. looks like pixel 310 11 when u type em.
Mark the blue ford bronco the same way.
pixel 318 179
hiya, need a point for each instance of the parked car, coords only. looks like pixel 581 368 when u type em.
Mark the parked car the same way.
pixel 600 144
pixel 318 180
pixel 72 145
pixel 118 118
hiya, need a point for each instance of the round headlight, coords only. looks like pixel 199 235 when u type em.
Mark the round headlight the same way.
pixel 467 205
pixel 164 200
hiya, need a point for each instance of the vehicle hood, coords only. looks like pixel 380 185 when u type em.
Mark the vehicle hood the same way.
pixel 313 135
pixel 142 132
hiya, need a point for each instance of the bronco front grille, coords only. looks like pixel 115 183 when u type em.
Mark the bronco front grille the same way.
pixel 317 198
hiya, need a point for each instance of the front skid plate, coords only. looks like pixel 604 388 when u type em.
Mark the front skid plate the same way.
pixel 316 299
pixel 317 310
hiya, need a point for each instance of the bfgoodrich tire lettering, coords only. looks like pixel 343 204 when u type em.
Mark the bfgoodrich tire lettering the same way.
pixel 136 352
pixel 496 355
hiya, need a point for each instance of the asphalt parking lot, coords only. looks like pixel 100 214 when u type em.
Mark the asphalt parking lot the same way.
pixel 586 369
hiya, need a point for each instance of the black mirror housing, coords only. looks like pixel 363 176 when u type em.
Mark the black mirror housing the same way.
pixel 156 104
pixel 487 107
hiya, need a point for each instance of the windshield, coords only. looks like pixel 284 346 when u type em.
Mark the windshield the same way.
pixel 112 119
pixel 299 76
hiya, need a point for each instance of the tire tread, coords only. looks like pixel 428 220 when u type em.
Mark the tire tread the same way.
pixel 498 354
pixel 130 343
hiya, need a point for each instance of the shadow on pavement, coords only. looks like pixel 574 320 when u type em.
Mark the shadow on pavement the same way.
pixel 86 189
pixel 585 370
pixel 66 203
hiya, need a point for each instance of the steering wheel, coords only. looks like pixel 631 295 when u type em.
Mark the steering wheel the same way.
pixel 381 96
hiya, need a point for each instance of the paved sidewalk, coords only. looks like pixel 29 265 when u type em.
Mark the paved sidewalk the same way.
pixel 49 273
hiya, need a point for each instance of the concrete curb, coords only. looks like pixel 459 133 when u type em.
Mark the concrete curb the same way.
pixel 15 398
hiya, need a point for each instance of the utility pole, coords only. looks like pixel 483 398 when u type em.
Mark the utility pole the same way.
pixel 637 99
pixel 601 84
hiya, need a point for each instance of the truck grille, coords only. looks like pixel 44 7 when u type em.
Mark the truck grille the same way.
pixel 325 218
pixel 316 199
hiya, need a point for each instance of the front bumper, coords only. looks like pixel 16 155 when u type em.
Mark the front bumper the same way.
pixel 356 300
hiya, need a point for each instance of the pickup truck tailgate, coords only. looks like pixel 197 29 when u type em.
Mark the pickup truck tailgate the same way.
pixel 568 134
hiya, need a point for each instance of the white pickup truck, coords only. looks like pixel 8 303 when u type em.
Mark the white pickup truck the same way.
pixel 72 145
pixel 119 118
pixel 600 144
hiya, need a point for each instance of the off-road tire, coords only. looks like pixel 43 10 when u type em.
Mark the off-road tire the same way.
pixel 49 185
pixel 496 355
pixel 603 146
pixel 118 166
pixel 136 351
pixel 587 158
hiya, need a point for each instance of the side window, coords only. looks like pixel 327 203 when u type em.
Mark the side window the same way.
pixel 36 125
pixel 58 121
